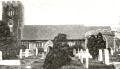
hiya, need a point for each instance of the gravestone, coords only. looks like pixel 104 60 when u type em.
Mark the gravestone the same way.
pixel 74 51
pixel 78 54
pixel 20 54
pixel 36 51
pixel 100 58
pixel 111 51
pixel 81 56
pixel 0 55
pixel 26 52
pixel 87 57
pixel 43 56
pixel 106 56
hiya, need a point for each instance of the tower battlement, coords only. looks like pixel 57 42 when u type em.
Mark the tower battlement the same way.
pixel 11 3
pixel 12 10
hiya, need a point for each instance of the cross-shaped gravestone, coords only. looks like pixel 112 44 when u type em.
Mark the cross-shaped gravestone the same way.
pixel 81 56
pixel 43 55
pixel 87 56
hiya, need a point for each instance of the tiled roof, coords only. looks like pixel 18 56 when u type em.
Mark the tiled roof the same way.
pixel 48 32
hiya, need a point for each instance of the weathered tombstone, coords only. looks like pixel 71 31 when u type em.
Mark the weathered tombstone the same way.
pixel 78 53
pixel 20 54
pixel 28 67
pixel 106 56
pixel 74 51
pixel 26 52
pixel 111 51
pixel 0 55
pixel 100 57
pixel 36 51
pixel 43 56
pixel 87 59
pixel 81 56
pixel 69 43
pixel 87 54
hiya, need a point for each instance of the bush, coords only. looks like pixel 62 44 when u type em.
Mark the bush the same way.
pixel 59 54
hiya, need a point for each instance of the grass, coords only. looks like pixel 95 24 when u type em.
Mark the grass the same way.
pixel 9 67
pixel 36 63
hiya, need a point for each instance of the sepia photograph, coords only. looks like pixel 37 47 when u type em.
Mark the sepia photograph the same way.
pixel 59 34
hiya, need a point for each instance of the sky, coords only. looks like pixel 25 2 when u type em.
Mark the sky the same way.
pixel 65 12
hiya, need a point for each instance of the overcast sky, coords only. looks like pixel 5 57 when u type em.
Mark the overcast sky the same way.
pixel 87 12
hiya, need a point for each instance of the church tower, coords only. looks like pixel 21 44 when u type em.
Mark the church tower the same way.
pixel 12 16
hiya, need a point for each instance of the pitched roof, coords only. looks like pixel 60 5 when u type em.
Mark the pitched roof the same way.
pixel 48 32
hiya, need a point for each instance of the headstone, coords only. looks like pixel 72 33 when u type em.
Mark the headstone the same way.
pixel 36 51
pixel 74 51
pixel 26 52
pixel 20 54
pixel 87 54
pixel 100 57
pixel 78 53
pixel 87 59
pixel 28 67
pixel 106 56
pixel 43 56
pixel 0 55
pixel 111 51
pixel 81 56
pixel 70 44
